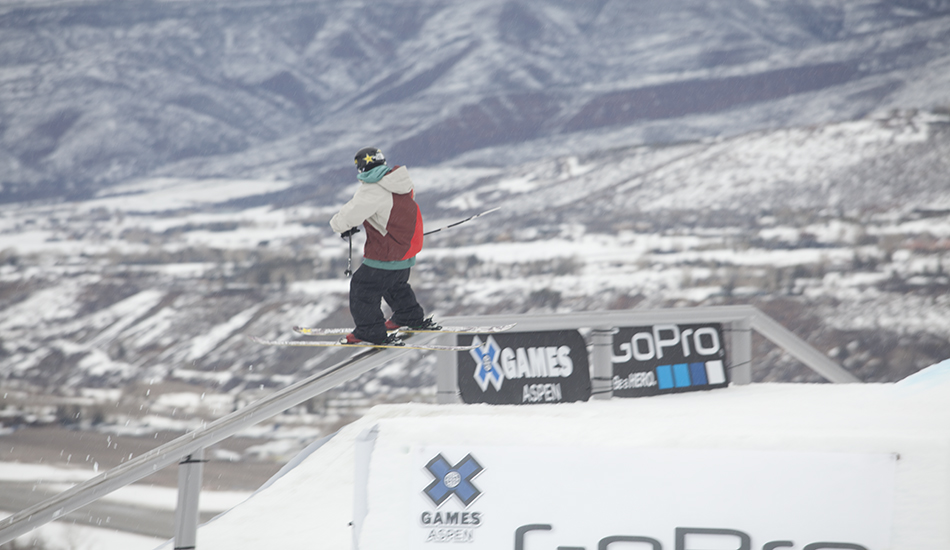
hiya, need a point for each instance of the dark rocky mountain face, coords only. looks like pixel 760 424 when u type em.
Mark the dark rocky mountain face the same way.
pixel 96 93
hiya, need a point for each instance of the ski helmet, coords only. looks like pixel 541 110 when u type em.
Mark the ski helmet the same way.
pixel 368 158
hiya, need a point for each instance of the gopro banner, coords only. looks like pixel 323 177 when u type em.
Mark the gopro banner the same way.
pixel 668 359
pixel 524 368
pixel 490 497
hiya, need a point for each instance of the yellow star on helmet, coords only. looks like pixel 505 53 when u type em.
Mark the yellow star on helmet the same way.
pixel 368 159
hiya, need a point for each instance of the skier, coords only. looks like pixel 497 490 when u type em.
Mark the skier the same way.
pixel 385 206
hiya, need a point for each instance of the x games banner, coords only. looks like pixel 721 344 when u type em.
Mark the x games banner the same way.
pixel 486 495
pixel 524 368
pixel 661 359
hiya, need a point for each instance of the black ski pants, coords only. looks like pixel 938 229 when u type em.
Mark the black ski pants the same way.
pixel 367 287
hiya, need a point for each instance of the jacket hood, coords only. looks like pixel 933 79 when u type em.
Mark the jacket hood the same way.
pixel 397 181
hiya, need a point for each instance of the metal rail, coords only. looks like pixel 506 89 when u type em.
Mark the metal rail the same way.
pixel 800 349
pixel 192 443
pixel 612 318
pixel 741 320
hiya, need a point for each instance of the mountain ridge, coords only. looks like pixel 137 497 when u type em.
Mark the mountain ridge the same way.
pixel 96 93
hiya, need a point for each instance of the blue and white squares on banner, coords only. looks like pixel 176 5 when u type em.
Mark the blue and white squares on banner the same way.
pixel 685 375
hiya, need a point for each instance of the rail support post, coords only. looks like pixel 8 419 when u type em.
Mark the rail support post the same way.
pixel 601 355
pixel 447 383
pixel 190 470
pixel 740 369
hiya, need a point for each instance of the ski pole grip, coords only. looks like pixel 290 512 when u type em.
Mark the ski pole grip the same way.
pixel 349 258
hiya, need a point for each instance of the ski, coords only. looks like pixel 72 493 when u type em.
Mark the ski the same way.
pixel 365 345
pixel 316 331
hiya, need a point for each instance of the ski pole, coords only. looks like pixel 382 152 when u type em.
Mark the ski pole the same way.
pixel 349 258
pixel 462 221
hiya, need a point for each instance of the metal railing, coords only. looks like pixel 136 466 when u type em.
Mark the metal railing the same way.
pixel 740 322
pixel 188 449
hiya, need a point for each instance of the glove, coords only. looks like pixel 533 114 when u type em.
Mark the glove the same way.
pixel 349 233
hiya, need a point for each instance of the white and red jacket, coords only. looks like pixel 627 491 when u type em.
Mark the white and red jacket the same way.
pixel 389 214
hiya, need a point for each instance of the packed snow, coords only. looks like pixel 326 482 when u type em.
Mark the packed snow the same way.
pixel 311 499
pixel 314 501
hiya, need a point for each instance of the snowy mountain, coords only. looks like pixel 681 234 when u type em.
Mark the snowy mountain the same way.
pixel 841 232
pixel 95 93
pixel 169 168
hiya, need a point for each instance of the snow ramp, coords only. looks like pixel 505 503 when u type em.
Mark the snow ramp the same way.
pixel 800 466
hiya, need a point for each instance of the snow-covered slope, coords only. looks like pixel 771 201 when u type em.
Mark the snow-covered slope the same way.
pixel 158 282
pixel 313 502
